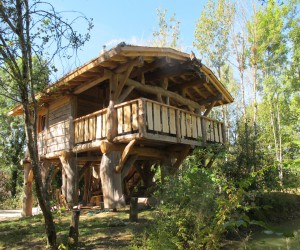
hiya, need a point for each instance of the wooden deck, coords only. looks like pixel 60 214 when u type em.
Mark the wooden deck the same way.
pixel 148 120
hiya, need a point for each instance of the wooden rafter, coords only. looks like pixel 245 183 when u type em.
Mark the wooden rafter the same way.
pixel 106 75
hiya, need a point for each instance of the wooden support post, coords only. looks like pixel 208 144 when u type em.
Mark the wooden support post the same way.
pixel 111 181
pixel 142 118
pixel 68 162
pixel 112 122
pixel 133 217
pixel 27 189
pixel 203 127
pixel 165 168
pixel 224 133
pixel 64 180
pixel 87 184
pixel 73 230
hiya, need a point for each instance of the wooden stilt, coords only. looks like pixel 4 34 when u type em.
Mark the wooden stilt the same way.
pixel 111 181
pixel 27 190
pixel 68 162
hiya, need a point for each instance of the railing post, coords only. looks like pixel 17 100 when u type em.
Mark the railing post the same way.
pixel 142 117
pixel 223 133
pixel 178 129
pixel 203 128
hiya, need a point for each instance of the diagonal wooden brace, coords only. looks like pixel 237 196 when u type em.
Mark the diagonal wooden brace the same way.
pixel 127 150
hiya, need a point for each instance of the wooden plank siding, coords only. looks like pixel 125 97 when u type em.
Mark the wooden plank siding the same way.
pixel 149 120
pixel 56 135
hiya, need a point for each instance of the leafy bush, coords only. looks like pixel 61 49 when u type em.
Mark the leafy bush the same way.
pixel 197 208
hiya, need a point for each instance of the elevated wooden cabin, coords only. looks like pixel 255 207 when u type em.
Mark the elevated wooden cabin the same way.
pixel 117 115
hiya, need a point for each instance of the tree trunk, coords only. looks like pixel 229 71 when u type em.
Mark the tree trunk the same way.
pixel 68 162
pixel 73 231
pixel 27 188
pixel 133 216
pixel 111 181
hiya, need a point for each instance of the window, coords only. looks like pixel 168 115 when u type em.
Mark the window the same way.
pixel 42 123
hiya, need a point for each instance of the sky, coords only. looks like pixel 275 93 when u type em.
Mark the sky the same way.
pixel 131 21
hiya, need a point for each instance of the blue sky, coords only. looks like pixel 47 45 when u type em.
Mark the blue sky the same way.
pixel 132 21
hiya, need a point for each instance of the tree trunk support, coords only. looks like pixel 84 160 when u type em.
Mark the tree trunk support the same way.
pixel 70 183
pixel 27 189
pixel 73 230
pixel 133 216
pixel 111 181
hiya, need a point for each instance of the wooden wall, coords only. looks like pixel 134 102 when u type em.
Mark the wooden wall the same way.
pixel 56 135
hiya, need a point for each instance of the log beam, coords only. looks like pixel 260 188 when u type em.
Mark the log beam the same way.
pixel 156 90
pixel 182 155
pixel 89 84
pixel 125 154
pixel 129 67
pixel 209 108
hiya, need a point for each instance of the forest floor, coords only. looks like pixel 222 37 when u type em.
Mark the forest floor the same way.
pixel 100 229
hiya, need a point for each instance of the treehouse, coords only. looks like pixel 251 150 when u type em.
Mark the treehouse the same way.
pixel 130 108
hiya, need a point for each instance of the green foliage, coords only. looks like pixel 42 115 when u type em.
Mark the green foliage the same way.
pixel 212 32
pixel 199 206
pixel 169 30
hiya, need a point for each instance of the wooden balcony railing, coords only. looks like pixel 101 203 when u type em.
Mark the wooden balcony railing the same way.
pixel 151 120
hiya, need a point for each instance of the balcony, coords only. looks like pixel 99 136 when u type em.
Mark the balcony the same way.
pixel 149 121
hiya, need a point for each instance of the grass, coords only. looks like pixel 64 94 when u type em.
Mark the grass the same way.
pixel 97 230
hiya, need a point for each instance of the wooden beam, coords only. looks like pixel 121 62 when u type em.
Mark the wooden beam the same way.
pixel 106 147
pixel 124 67
pixel 125 155
pixel 199 93
pixel 150 152
pixel 151 66
pixel 155 90
pixel 89 84
pixel 218 97
pixel 182 155
pixel 209 88
pixel 125 93
pixel 138 61
pixel 176 70
pixel 128 164
pixel 209 108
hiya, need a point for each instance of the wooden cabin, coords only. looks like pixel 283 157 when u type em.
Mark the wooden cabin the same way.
pixel 128 109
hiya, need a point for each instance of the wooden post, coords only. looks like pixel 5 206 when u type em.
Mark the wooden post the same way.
pixel 142 118
pixel 203 127
pixel 165 168
pixel 73 230
pixel 133 216
pixel 27 189
pixel 87 184
pixel 111 181
pixel 68 162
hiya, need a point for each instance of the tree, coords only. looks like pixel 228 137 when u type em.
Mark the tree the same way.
pixel 169 32
pixel 212 35
pixel 29 29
